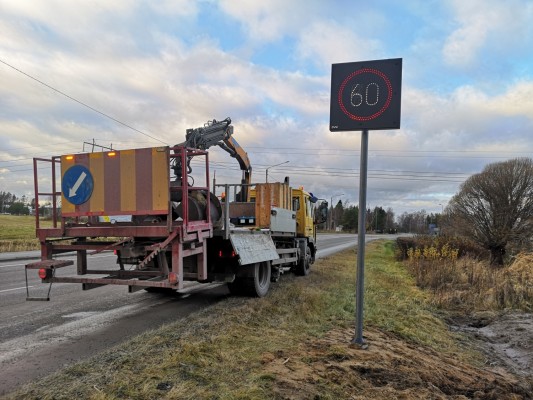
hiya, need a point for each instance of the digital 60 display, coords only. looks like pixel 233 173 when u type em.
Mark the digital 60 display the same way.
pixel 366 95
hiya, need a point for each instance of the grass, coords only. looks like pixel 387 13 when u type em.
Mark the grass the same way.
pixel 395 303
pixel 17 233
pixel 219 352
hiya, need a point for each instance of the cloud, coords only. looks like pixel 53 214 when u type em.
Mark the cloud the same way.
pixel 486 25
pixel 326 42
pixel 185 8
pixel 268 21
pixel 516 101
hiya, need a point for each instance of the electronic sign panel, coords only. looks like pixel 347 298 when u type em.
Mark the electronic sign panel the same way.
pixel 366 95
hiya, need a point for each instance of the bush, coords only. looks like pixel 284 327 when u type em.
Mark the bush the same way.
pixel 463 246
pixel 462 282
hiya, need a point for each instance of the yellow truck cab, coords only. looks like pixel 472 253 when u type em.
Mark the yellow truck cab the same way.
pixel 305 212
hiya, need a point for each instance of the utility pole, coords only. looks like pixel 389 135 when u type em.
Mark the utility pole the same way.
pixel 331 218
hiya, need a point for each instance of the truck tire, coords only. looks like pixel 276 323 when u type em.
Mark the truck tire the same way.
pixel 304 264
pixel 256 285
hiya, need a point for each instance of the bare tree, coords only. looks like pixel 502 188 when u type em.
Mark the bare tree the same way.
pixel 413 222
pixel 495 207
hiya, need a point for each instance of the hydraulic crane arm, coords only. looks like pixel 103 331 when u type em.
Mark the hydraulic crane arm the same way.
pixel 220 133
pixel 235 150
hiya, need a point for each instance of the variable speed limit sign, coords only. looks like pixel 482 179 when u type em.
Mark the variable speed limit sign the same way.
pixel 366 95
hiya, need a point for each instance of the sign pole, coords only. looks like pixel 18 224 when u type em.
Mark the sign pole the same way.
pixel 360 279
pixel 365 96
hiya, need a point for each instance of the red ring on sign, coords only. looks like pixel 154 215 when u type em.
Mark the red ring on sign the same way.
pixel 385 106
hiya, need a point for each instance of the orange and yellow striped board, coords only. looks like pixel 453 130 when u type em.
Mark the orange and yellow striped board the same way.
pixel 125 182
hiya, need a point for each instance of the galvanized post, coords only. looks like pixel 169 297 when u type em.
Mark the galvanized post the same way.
pixel 360 280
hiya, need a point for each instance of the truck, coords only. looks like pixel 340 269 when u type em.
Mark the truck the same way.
pixel 168 224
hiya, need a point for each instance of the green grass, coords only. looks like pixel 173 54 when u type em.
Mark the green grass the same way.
pixel 17 227
pixel 17 233
pixel 394 302
pixel 218 352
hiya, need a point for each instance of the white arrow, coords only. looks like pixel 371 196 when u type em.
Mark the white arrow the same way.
pixel 72 191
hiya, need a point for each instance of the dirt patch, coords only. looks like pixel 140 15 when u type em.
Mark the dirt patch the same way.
pixel 390 368
pixel 506 340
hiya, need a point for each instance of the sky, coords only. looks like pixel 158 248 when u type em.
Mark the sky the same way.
pixel 132 74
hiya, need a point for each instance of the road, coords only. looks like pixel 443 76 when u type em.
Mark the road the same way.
pixel 39 337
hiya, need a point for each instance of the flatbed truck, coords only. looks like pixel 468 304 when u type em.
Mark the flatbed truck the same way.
pixel 173 228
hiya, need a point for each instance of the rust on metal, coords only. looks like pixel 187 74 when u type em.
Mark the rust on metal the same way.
pixel 49 264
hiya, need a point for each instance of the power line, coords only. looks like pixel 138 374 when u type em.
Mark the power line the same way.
pixel 304 153
pixel 389 150
pixel 80 102
pixel 326 170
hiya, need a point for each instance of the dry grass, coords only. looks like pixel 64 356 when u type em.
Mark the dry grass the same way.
pixel 467 284
pixel 19 245
pixel 220 353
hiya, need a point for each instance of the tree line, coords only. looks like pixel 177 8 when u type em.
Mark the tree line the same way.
pixel 493 208
pixel 345 217
pixel 12 204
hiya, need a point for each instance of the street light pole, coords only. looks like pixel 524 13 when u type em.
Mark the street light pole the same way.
pixel 266 171
pixel 331 219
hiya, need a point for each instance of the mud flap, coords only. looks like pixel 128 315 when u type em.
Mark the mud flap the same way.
pixel 253 248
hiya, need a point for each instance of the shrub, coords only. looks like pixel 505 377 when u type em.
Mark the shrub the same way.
pixel 463 246
pixel 464 282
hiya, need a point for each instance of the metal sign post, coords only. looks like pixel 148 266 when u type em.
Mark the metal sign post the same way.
pixel 361 233
pixel 364 96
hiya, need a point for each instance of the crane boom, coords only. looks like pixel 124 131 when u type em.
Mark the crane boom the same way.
pixel 219 133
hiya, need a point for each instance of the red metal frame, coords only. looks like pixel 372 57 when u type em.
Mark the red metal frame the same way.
pixel 181 238
pixel 54 192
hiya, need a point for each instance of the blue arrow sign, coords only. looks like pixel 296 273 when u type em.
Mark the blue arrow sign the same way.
pixel 77 184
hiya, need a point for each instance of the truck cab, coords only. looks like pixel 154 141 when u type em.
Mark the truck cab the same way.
pixel 305 212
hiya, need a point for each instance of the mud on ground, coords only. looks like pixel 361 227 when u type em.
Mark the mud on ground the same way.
pixel 506 340
pixel 390 368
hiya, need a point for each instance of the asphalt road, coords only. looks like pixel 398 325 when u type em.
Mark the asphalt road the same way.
pixel 39 337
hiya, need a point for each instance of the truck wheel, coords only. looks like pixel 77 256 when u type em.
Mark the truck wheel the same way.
pixel 256 285
pixel 304 264
pixel 259 284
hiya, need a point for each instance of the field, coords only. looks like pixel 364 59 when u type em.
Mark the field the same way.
pixel 295 344
pixel 17 233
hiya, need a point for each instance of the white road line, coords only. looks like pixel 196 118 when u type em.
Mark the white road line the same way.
pixel 11 265
pixel 17 288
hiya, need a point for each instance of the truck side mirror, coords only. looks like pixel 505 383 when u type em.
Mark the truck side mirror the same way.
pixel 321 214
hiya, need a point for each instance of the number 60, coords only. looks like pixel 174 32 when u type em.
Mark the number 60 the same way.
pixel 356 98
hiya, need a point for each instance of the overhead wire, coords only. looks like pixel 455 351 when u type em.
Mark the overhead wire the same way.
pixel 82 103
pixel 389 150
